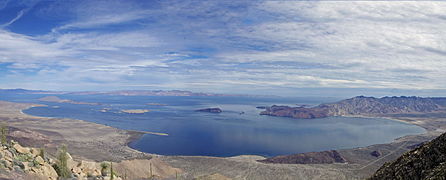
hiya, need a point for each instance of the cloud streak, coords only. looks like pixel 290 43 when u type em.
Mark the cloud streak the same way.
pixel 19 15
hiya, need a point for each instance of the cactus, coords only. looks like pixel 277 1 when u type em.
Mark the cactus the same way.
pixel 111 171
pixel 104 167
pixel 3 133
pixel 61 166
pixel 42 153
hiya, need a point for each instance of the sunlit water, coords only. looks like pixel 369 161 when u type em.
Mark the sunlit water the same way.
pixel 226 134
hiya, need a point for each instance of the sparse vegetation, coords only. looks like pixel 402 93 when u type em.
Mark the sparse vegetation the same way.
pixel 42 153
pixel 104 167
pixel 112 173
pixel 150 170
pixel 3 133
pixel 61 165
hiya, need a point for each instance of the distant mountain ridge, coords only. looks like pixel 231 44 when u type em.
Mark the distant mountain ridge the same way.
pixel 127 93
pixel 361 105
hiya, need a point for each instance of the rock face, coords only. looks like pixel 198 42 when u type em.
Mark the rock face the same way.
pixel 425 162
pixel 324 157
pixel 360 105
pixel 210 110
pixel 15 158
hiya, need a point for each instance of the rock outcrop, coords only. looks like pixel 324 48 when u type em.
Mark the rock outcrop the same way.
pixel 360 105
pixel 425 162
pixel 36 163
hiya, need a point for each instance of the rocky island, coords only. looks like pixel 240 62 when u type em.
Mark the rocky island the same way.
pixel 210 110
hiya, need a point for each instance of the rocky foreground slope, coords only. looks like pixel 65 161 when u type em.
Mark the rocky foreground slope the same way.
pixel 361 105
pixel 425 162
pixel 34 163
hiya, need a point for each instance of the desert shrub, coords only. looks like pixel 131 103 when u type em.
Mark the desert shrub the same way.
pixel 42 153
pixel 24 157
pixel 3 133
pixel 112 173
pixel 104 167
pixel 61 165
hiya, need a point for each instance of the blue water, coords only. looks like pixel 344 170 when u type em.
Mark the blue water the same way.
pixel 226 134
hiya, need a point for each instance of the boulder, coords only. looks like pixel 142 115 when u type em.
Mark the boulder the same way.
pixel 21 149
pixel 18 163
pixel 70 162
pixel 6 163
pixel 40 160
pixel 49 171
pixel 37 170
pixel 90 168
pixel 8 156
pixel 35 152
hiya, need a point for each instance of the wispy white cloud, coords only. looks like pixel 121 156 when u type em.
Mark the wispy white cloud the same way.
pixel 19 15
pixel 262 44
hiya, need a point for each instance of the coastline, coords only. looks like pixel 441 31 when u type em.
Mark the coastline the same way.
pixel 113 144
pixel 135 135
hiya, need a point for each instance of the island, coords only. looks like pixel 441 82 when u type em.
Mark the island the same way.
pixel 59 100
pixel 135 111
pixel 156 104
pixel 210 110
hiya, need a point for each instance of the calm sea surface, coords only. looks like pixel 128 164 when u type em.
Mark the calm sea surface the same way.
pixel 238 130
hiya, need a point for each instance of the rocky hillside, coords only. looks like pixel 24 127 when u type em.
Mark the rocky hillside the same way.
pixel 425 162
pixel 385 105
pixel 35 163
pixel 360 105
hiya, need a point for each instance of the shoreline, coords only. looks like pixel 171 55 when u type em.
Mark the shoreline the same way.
pixel 100 142
pixel 135 135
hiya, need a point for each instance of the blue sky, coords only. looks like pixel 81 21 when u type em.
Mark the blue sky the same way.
pixel 291 48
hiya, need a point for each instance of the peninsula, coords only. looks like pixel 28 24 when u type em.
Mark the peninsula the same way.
pixel 361 105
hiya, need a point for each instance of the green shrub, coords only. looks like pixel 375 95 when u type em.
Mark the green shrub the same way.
pixel 104 167
pixel 3 133
pixel 42 153
pixel 112 173
pixel 61 165
pixel 24 157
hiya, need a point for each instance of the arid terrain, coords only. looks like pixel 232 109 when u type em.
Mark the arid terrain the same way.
pixel 95 142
